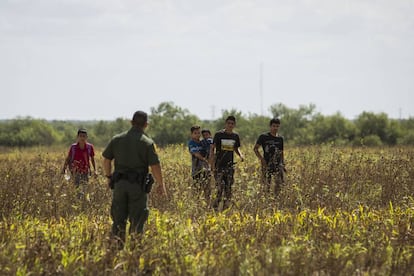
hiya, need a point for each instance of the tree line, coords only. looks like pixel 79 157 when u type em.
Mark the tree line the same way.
pixel 170 124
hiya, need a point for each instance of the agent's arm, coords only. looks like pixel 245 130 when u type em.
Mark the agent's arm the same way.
pixel 156 172
pixel 107 166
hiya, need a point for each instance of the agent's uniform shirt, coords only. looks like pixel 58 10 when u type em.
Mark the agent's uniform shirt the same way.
pixel 132 150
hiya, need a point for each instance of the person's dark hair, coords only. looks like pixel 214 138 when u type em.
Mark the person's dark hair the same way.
pixel 82 130
pixel 139 119
pixel 231 118
pixel 274 121
pixel 194 128
pixel 206 131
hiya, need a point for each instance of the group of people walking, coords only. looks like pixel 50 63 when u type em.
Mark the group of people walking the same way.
pixel 215 157
pixel 129 155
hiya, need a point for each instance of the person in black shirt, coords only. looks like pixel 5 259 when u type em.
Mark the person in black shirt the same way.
pixel 225 143
pixel 272 160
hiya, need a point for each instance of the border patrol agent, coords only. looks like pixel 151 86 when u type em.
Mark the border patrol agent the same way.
pixel 133 152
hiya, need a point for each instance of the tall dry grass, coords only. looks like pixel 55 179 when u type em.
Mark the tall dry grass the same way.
pixel 342 211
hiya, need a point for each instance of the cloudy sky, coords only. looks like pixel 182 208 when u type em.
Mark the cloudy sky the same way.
pixel 101 59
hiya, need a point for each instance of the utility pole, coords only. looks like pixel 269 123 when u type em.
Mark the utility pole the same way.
pixel 213 112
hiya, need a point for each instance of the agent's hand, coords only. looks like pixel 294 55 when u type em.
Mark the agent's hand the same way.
pixel 109 182
pixel 161 190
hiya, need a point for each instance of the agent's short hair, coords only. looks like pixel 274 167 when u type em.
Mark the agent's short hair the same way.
pixel 139 119
pixel 231 118
pixel 274 121
pixel 195 127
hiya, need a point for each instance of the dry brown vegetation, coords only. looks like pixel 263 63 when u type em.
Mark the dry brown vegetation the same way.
pixel 343 211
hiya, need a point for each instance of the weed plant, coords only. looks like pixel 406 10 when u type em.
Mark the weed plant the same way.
pixel 342 211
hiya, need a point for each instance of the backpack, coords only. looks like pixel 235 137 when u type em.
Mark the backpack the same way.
pixel 73 150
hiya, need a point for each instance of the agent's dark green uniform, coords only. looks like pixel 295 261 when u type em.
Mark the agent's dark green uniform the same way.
pixel 133 152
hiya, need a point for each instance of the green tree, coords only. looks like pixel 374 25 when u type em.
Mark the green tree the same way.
pixel 220 122
pixel 371 140
pixel 170 124
pixel 332 129
pixel 67 131
pixel 371 124
pixel 294 122
pixel 407 132
pixel 407 139
pixel 101 133
pixel 255 125
pixel 248 127
pixel 393 132
pixel 118 126
pixel 26 132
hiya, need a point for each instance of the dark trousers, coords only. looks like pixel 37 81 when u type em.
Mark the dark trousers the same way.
pixel 273 176
pixel 224 180
pixel 129 201
pixel 80 179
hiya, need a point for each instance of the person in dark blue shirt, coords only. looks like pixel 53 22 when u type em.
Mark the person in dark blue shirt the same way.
pixel 199 163
pixel 206 142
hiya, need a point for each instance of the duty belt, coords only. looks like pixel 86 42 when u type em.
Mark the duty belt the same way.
pixel 133 177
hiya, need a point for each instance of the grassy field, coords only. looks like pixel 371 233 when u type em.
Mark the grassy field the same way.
pixel 343 211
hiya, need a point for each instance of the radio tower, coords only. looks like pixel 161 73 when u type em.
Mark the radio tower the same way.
pixel 213 112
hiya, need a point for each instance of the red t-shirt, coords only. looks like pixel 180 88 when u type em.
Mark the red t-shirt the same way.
pixel 80 157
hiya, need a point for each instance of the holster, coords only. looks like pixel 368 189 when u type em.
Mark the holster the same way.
pixel 149 180
pixel 112 183
pixel 146 180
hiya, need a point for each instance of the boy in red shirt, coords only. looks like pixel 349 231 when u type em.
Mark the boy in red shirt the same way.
pixel 80 155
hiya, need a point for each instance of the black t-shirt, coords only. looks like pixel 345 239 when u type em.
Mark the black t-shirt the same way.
pixel 272 147
pixel 225 144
